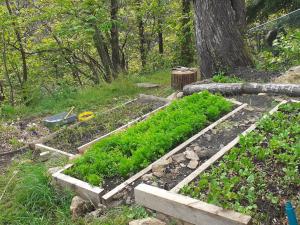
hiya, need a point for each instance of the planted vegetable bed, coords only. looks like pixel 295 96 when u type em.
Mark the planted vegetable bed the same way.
pixel 258 175
pixel 125 153
pixel 71 138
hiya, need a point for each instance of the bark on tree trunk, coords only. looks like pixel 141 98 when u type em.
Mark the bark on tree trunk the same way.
pixel 160 38
pixel 186 39
pixel 11 90
pixel 103 54
pixel 141 35
pixel 115 50
pixel 20 42
pixel 244 88
pixel 219 40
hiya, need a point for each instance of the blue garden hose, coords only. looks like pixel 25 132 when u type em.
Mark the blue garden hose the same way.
pixel 289 210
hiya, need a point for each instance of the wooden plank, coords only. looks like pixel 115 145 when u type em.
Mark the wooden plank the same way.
pixel 47 148
pixel 106 198
pixel 84 147
pixel 217 156
pixel 81 188
pixel 185 208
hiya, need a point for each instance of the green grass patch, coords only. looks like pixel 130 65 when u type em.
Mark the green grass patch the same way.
pixel 258 175
pixel 222 78
pixel 127 152
pixel 95 98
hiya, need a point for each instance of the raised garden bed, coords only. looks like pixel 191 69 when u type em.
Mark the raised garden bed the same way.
pixel 72 138
pixel 260 171
pixel 180 120
pixel 260 174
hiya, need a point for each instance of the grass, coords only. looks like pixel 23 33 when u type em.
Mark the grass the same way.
pixel 222 78
pixel 94 98
pixel 30 199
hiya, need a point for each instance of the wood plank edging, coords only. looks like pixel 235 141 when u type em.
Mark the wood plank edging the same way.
pixel 106 198
pixel 83 189
pixel 185 208
pixel 218 155
pixel 47 148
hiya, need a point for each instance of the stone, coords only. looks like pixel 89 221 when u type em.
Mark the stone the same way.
pixel 182 165
pixel 179 94
pixel 54 169
pixel 292 76
pixel 159 168
pixel 147 177
pixel 79 207
pixel 202 153
pixel 147 85
pixel 180 157
pixel 44 156
pixel 208 137
pixel 96 213
pixel 262 94
pixel 147 221
pixel 193 164
pixel 163 217
pixel 189 154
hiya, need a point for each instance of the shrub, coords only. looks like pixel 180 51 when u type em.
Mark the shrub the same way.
pixel 127 152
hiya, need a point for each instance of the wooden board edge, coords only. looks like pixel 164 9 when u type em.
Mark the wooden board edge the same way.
pixel 219 154
pixel 47 148
pixel 81 188
pixel 185 208
pixel 106 198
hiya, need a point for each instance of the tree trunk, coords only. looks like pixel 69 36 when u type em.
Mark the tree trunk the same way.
pixel 219 40
pixel 160 38
pixel 4 57
pixel 20 42
pixel 115 50
pixel 141 34
pixel 244 88
pixel 186 39
pixel 103 54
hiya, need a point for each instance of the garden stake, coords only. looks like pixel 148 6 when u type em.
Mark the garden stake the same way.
pixel 289 210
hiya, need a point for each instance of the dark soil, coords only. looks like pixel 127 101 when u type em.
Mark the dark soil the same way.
pixel 71 138
pixel 253 75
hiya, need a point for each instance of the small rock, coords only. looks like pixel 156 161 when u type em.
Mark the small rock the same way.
pixel 193 164
pixel 180 94
pixel 54 169
pixel 155 184
pixel 208 137
pixel 261 94
pixel 44 156
pixel 189 154
pixel 128 200
pixel 96 213
pixel 147 177
pixel 79 207
pixel 178 157
pixel 159 168
pixel 147 85
pixel 221 146
pixel 182 165
pixel 202 153
pixel 147 221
